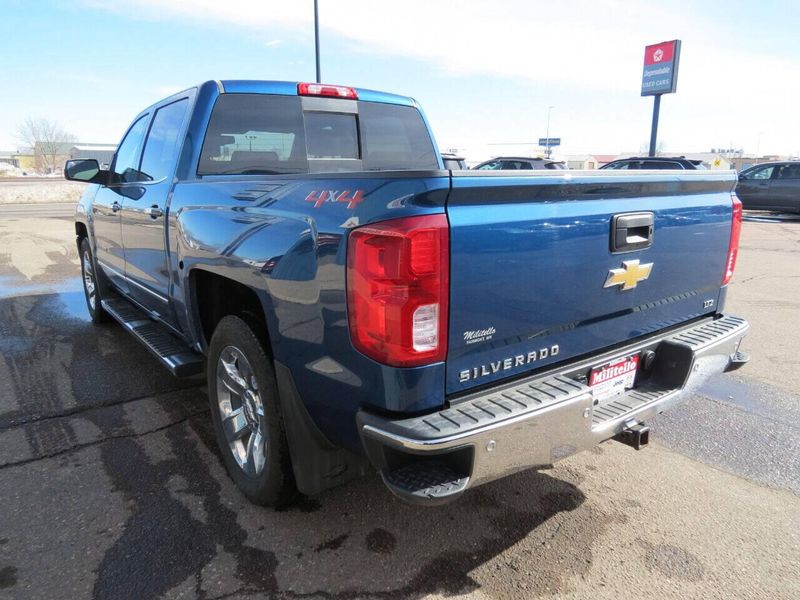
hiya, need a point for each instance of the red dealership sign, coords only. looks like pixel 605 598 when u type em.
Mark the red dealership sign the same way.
pixel 660 74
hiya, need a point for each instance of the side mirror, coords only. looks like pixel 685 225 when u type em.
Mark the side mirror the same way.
pixel 742 176
pixel 85 170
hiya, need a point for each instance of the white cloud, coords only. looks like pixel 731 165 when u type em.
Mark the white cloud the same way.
pixel 592 47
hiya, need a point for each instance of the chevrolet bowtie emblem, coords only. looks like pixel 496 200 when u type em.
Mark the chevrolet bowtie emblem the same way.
pixel 629 275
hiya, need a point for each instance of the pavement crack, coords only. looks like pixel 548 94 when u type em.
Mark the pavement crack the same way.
pixel 77 447
pixel 79 410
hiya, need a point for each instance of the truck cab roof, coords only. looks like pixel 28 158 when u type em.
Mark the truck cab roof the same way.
pixel 290 88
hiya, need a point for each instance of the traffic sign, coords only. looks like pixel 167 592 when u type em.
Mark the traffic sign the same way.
pixel 549 142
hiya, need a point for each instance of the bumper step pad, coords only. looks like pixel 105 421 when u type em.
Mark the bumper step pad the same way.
pixel 173 353
pixel 425 482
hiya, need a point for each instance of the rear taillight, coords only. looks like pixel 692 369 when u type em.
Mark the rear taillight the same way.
pixel 323 89
pixel 733 247
pixel 397 286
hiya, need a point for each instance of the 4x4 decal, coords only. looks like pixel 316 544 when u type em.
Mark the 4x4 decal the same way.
pixel 319 197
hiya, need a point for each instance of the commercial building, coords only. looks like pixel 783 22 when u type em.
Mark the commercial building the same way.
pixel 102 153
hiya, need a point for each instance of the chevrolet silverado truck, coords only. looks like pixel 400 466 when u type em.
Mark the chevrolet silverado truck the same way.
pixel 354 306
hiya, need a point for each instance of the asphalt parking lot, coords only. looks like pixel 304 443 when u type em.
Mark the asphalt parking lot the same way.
pixel 111 485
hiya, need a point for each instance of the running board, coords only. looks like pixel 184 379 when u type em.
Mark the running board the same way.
pixel 174 354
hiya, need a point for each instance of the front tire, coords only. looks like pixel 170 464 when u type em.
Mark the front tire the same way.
pixel 245 409
pixel 91 284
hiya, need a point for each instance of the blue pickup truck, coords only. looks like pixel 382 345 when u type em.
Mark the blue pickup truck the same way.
pixel 355 306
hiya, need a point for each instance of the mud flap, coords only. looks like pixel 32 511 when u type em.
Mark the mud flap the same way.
pixel 318 465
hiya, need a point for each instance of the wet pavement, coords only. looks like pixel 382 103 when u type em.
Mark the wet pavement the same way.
pixel 112 486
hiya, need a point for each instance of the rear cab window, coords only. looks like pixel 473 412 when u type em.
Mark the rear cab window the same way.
pixel 270 134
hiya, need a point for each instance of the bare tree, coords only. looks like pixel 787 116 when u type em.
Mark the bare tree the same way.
pixel 644 148
pixel 46 138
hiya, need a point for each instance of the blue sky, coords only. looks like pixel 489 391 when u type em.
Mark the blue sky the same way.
pixel 485 72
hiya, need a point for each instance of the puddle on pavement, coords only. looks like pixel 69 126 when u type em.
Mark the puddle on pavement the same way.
pixel 72 304
pixel 64 298
pixel 13 286
pixel 756 398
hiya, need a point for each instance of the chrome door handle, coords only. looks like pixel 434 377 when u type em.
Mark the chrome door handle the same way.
pixel 154 212
pixel 116 207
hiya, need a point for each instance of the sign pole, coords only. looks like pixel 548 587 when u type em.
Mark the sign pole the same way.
pixel 547 150
pixel 660 76
pixel 654 126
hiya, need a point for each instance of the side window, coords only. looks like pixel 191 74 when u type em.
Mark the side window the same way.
pixel 126 161
pixel 762 173
pixel 161 147
pixel 517 165
pixel 509 165
pixel 661 164
pixel 490 166
pixel 789 172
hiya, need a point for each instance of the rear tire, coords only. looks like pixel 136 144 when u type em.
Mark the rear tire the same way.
pixel 92 284
pixel 245 408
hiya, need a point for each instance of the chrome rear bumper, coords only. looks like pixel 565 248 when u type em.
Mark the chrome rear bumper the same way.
pixel 539 420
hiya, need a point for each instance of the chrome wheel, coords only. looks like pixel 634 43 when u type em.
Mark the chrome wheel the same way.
pixel 241 410
pixel 88 280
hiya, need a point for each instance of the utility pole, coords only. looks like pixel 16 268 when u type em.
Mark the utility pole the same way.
pixel 316 39
pixel 547 135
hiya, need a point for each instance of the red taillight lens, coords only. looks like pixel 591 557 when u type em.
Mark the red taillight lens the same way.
pixel 397 286
pixel 321 89
pixel 733 247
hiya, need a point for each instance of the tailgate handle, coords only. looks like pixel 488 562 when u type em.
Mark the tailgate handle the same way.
pixel 632 231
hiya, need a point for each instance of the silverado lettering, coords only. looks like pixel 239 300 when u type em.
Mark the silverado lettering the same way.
pixel 507 363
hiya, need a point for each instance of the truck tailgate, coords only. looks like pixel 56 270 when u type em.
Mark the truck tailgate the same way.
pixel 531 257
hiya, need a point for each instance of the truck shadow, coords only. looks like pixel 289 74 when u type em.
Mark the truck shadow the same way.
pixel 360 541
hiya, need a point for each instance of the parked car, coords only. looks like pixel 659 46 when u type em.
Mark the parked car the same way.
pixel 518 163
pixel 453 162
pixel 354 306
pixel 655 162
pixel 771 186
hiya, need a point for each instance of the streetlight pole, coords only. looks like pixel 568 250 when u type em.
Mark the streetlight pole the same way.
pixel 547 135
pixel 316 39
